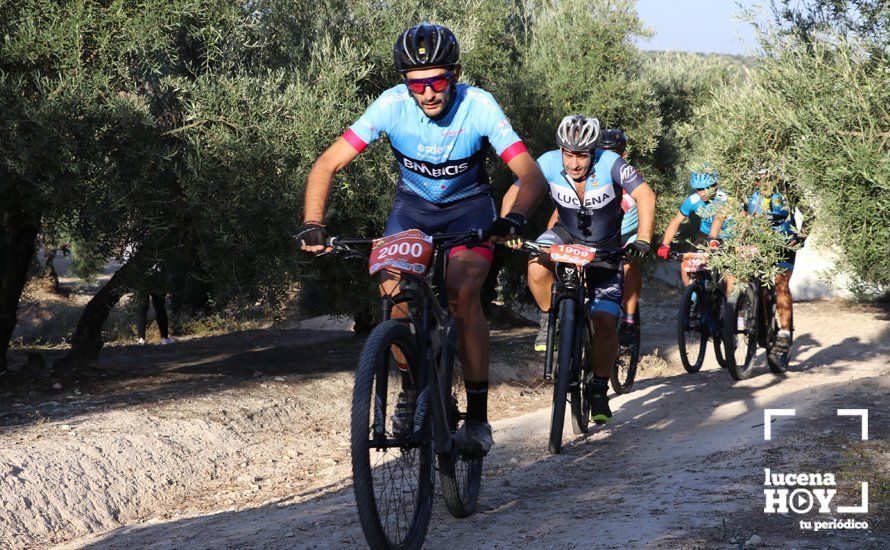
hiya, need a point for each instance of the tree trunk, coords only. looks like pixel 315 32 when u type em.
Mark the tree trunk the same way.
pixel 18 234
pixel 87 342
pixel 48 276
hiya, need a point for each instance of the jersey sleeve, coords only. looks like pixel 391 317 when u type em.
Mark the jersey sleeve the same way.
pixel 688 206
pixel 379 117
pixel 494 125
pixel 626 175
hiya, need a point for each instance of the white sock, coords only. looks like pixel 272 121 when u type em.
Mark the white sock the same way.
pixel 783 332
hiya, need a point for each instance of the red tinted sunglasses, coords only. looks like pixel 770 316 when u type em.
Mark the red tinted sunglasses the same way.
pixel 438 83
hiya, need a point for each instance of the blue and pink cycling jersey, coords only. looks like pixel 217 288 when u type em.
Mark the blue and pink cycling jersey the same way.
pixel 441 161
pixel 706 211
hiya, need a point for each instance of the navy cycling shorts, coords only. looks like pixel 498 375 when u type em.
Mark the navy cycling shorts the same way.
pixel 412 212
pixel 605 282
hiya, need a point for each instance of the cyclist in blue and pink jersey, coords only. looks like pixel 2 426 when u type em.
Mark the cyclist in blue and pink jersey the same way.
pixel 586 185
pixel 439 131
pixel 705 202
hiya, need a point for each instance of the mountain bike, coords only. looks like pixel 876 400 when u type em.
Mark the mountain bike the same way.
pixel 392 466
pixel 752 321
pixel 701 312
pixel 570 318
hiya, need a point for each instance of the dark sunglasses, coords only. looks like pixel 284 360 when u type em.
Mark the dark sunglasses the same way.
pixel 438 83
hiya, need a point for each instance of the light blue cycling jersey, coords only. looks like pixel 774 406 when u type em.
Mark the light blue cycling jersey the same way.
pixel 602 194
pixel 776 208
pixel 440 160
pixel 706 211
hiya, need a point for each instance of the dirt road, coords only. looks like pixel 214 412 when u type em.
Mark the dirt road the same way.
pixel 260 462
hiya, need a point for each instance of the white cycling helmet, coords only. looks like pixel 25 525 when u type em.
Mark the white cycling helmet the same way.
pixel 578 133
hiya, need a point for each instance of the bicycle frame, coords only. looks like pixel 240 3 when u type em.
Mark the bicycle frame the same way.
pixel 430 319
pixel 417 293
pixel 710 281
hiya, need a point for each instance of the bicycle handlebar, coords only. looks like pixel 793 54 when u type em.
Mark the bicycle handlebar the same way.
pixel 540 248
pixel 453 239
pixel 680 256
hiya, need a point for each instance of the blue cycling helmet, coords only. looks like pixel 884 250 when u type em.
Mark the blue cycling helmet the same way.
pixel 703 180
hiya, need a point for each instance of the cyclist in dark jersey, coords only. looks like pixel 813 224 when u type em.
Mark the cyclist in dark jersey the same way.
pixel 614 139
pixel 586 185
pixel 439 131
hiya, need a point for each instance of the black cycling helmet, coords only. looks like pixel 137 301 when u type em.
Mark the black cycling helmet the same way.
pixel 425 46
pixel 613 139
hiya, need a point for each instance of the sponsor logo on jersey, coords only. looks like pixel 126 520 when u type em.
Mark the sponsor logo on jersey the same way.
pixel 504 127
pixel 593 198
pixel 628 173
pixel 434 150
pixel 445 171
pixel 453 133
pixel 387 100
pixel 484 99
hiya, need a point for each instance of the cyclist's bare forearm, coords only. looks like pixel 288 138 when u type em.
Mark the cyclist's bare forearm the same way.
pixel 671 231
pixel 321 178
pixel 531 183
pixel 716 226
pixel 509 199
pixel 645 199
pixel 553 219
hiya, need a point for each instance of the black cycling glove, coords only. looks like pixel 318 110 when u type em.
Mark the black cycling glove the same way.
pixel 508 226
pixel 639 249
pixel 311 234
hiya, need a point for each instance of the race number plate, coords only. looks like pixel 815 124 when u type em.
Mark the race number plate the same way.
pixel 695 261
pixel 572 254
pixel 409 252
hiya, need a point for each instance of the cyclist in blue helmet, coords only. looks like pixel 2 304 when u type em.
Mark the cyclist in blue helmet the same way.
pixel 704 202
pixel 440 132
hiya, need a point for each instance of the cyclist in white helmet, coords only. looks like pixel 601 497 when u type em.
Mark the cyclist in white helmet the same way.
pixel 586 185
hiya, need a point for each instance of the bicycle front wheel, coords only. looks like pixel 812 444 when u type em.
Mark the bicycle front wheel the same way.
pixel 564 365
pixel 740 333
pixel 392 465
pixel 584 365
pixel 461 477
pixel 692 336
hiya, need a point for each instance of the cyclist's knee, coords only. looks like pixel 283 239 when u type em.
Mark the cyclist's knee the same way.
pixel 464 296
pixel 539 271
pixel 603 322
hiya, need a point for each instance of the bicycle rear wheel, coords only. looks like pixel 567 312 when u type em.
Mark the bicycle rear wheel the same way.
pixel 624 371
pixel 579 405
pixel 566 354
pixel 692 337
pixel 740 333
pixel 392 473
pixel 461 477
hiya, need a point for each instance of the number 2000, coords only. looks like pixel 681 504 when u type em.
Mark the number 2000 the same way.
pixel 415 250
